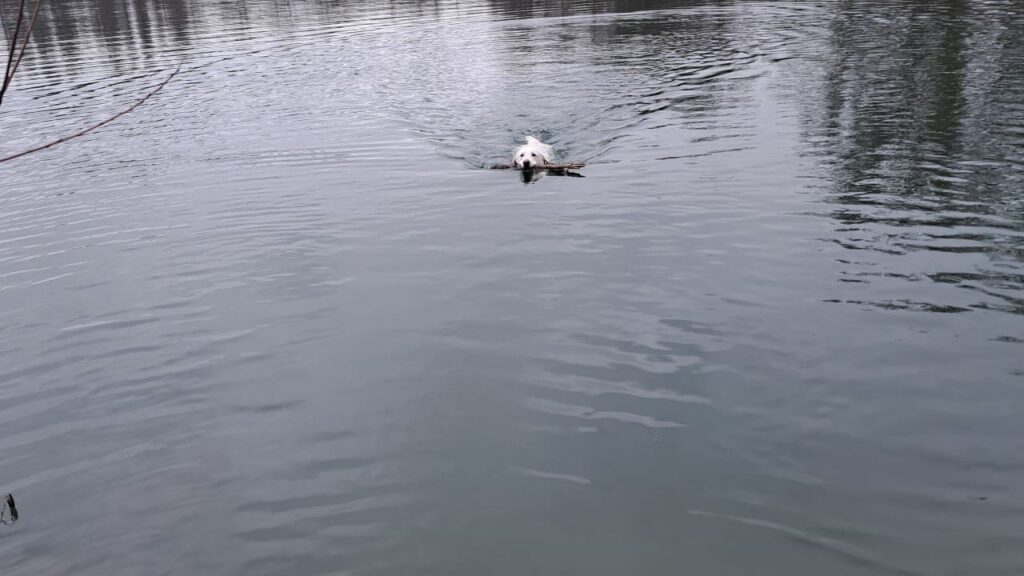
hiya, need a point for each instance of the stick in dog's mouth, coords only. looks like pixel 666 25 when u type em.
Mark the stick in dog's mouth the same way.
pixel 571 166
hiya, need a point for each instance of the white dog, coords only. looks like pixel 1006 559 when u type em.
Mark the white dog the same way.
pixel 533 154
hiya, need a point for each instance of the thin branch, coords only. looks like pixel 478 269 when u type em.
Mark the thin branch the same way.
pixel 97 125
pixel 24 45
pixel 14 37
pixel 14 42
pixel 571 166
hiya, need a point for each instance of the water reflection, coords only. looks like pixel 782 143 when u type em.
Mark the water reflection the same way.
pixel 72 33
pixel 924 149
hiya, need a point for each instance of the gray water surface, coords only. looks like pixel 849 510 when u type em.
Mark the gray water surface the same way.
pixel 280 320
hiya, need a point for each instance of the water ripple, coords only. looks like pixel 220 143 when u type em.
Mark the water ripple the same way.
pixel 278 321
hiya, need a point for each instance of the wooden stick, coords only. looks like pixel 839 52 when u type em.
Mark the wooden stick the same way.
pixel 544 167
pixel 94 126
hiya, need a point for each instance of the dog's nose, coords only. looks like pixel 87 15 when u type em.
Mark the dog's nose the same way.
pixel 527 164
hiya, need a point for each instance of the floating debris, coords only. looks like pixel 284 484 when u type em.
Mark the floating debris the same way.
pixel 9 505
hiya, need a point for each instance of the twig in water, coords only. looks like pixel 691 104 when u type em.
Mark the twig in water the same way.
pixel 97 125
pixel 9 505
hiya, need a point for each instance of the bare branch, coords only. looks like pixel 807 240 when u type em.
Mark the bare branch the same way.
pixel 24 45
pixel 97 125
pixel 14 42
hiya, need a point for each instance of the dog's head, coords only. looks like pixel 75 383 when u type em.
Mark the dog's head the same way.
pixel 533 154
pixel 528 156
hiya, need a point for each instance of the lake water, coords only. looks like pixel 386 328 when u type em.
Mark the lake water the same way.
pixel 280 320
